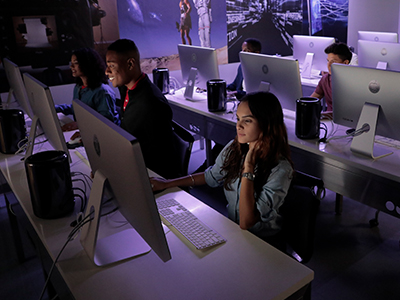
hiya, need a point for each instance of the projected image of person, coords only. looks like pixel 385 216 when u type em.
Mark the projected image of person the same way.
pixel 255 168
pixel 236 87
pixel 145 112
pixel 336 53
pixel 186 21
pixel 91 87
pixel 204 12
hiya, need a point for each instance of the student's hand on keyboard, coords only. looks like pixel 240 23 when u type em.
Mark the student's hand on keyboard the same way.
pixel 158 184
pixel 70 126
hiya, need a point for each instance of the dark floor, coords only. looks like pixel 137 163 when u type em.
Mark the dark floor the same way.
pixel 351 260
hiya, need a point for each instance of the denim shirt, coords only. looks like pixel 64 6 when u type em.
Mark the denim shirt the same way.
pixel 268 202
pixel 101 99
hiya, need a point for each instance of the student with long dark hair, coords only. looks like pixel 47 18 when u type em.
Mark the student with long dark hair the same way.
pixel 91 86
pixel 255 168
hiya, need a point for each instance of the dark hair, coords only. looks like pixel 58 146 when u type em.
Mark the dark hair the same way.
pixel 266 108
pixel 125 47
pixel 92 66
pixel 254 43
pixel 341 50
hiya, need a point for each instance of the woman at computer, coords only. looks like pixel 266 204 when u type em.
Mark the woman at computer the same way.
pixel 255 168
pixel 91 86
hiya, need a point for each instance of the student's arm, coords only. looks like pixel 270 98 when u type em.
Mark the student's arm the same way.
pixel 66 109
pixel 159 184
pixel 248 212
pixel 316 95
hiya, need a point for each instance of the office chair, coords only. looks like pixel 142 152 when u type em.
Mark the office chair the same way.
pixel 299 213
pixel 183 141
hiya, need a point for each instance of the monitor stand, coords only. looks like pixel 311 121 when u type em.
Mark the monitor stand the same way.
pixel 31 137
pixel 364 143
pixel 114 248
pixel 307 66
pixel 9 98
pixel 35 128
pixel 381 65
pixel 264 86
pixel 190 86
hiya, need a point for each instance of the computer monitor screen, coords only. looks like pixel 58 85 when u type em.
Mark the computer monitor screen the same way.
pixel 379 55
pixel 353 87
pixel 17 87
pixel 198 65
pixel 376 36
pixel 315 45
pixel 44 115
pixel 115 156
pixel 277 75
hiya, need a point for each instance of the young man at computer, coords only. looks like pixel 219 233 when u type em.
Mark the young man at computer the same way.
pixel 145 112
pixel 336 53
pixel 236 87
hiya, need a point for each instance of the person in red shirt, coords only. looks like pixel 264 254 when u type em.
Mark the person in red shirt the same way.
pixel 145 112
pixel 336 53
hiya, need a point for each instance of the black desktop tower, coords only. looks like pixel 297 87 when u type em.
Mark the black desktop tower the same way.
pixel 12 130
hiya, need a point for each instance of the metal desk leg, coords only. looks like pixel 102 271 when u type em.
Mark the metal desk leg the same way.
pixel 15 231
pixel 209 155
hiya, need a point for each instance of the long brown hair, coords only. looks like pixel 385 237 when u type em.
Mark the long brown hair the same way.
pixel 92 66
pixel 265 107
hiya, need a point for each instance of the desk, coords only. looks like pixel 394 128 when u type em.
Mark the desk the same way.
pixel 244 267
pixel 374 183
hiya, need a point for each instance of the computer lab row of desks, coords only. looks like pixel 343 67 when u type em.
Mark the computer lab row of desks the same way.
pixel 243 267
pixel 373 182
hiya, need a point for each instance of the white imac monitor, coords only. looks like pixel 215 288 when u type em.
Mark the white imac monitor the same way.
pixel 376 36
pixel 198 65
pixel 115 157
pixel 366 98
pixel 277 75
pixel 380 55
pixel 17 87
pixel 310 52
pixel 44 115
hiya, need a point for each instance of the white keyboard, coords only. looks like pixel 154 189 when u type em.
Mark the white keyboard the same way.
pixel 195 231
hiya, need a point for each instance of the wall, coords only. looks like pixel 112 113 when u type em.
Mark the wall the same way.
pixel 373 15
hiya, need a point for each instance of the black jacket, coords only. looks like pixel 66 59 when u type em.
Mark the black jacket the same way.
pixel 148 117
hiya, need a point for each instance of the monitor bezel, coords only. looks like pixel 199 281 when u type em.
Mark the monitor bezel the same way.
pixel 303 44
pixel 372 54
pixel 17 87
pixel 200 63
pixel 44 115
pixel 115 156
pixel 284 71
pixel 369 90
pixel 378 36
